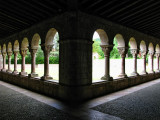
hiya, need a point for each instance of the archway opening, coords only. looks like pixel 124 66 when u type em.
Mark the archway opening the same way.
pixel 100 39
pixel 115 62
pixel 52 43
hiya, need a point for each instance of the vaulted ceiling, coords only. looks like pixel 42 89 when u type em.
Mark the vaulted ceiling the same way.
pixel 142 15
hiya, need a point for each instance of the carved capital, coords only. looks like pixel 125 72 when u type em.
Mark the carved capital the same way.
pixel 23 53
pixel 151 53
pixel 122 51
pixel 157 54
pixel 47 48
pixel 106 49
pixel 134 52
pixel 4 54
pixel 15 53
pixel 9 53
pixel 143 53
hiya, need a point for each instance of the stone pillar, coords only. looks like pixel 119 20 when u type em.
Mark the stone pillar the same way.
pixel 9 61
pixel 143 54
pixel 33 63
pixel 23 54
pixel 157 56
pixel 151 55
pixel 122 51
pixel 134 54
pixel 106 49
pixel 46 50
pixel 4 61
pixel 15 62
pixel 1 61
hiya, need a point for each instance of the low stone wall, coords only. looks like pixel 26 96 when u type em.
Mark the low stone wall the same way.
pixel 75 93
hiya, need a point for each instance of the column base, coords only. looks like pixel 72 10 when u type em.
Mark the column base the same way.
pixel 9 71
pixel 151 72
pixel 3 70
pixel 46 78
pixel 122 76
pixel 134 74
pixel 23 73
pixel 15 72
pixel 144 73
pixel 107 78
pixel 32 75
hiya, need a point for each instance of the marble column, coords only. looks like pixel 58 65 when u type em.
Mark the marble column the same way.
pixel 157 56
pixel 23 54
pixel 33 63
pixel 15 62
pixel 122 51
pixel 46 50
pixel 4 61
pixel 134 54
pixel 9 61
pixel 151 56
pixel 143 54
pixel 106 49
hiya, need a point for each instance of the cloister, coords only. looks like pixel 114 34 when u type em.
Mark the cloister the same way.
pixel 75 73
pixel 128 22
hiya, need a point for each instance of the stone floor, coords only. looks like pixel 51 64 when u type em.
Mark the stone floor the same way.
pixel 141 102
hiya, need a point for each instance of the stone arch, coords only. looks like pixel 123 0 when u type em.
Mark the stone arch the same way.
pixel 9 48
pixel 143 46
pixel 103 36
pixel 24 44
pixel 35 41
pixel 120 40
pixel 133 43
pixel 16 46
pixel 50 36
pixel 151 47
pixel 157 49
pixel 4 48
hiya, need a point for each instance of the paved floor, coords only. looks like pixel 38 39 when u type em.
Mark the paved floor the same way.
pixel 141 102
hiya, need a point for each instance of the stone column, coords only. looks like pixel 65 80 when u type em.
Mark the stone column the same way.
pixel 134 54
pixel 4 62
pixel 46 50
pixel 1 61
pixel 106 49
pixel 143 53
pixel 9 62
pixel 122 51
pixel 15 62
pixel 33 63
pixel 151 55
pixel 23 54
pixel 157 56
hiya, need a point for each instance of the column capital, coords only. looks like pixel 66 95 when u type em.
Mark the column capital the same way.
pixel 24 52
pixel 106 49
pixel 122 51
pixel 47 48
pixel 9 53
pixel 143 52
pixel 33 51
pixel 157 54
pixel 134 52
pixel 4 54
pixel 15 52
pixel 151 53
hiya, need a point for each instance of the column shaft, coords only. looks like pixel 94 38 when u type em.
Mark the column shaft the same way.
pixel 46 51
pixel 122 52
pixel 106 50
